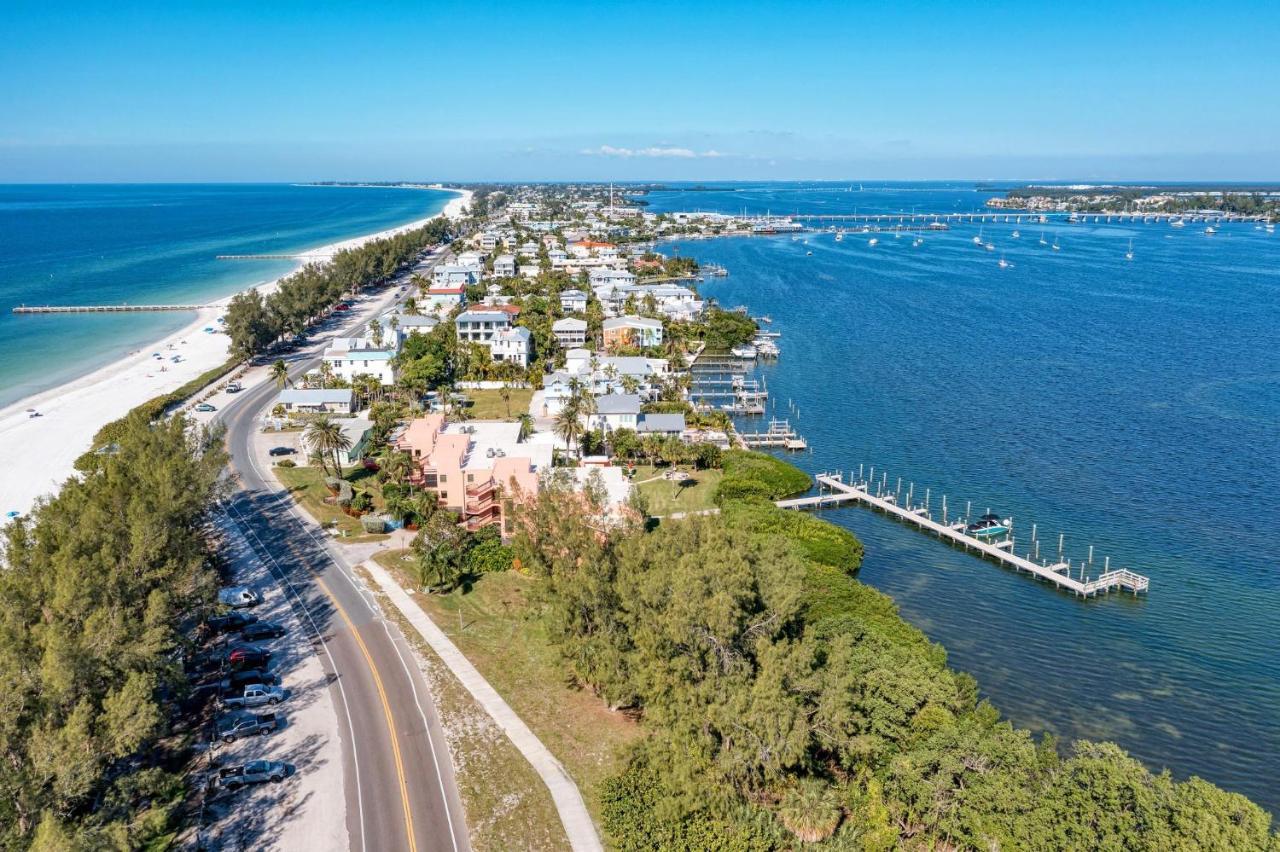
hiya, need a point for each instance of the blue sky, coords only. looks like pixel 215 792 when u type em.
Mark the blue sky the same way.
pixel 506 91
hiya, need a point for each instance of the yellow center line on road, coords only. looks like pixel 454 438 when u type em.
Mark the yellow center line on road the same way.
pixel 382 694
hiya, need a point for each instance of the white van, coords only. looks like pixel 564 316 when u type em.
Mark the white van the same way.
pixel 238 596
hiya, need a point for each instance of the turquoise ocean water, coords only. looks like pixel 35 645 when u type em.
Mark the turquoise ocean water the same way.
pixel 1132 405
pixel 106 244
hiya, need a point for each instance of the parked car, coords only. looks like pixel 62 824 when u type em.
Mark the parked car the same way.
pixel 236 681
pixel 234 620
pixel 204 406
pixel 233 726
pixel 234 387
pixel 342 307
pixel 281 451
pixel 247 657
pixel 255 695
pixel 260 630
pixel 254 772
pixel 238 596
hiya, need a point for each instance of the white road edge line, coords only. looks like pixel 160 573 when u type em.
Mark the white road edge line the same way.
pixel 579 828
pixel 276 569
pixel 377 610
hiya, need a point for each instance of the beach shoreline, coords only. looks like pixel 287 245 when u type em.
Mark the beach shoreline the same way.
pixel 40 452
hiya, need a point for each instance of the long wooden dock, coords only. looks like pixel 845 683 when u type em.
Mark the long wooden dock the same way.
pixel 837 492
pixel 102 309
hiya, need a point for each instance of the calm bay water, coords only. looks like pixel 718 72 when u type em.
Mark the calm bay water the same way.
pixel 106 244
pixel 1133 405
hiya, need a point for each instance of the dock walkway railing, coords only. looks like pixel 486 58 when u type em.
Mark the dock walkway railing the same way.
pixel 838 492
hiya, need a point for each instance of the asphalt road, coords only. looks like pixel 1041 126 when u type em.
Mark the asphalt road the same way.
pixel 400 789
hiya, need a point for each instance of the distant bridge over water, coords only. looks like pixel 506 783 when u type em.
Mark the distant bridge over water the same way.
pixel 924 220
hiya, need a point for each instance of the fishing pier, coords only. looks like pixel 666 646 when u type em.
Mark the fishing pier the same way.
pixel 269 257
pixel 835 492
pixel 102 309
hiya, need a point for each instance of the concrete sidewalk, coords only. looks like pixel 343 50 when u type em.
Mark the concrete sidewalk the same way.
pixel 573 813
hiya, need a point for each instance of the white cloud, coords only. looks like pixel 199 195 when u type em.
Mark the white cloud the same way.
pixel 668 151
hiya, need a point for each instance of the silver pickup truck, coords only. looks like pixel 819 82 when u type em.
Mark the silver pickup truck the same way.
pixel 255 695
pixel 233 726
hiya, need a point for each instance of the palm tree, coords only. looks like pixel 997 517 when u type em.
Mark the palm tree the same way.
pixel 505 393
pixel 280 372
pixel 326 374
pixel 325 437
pixel 395 465
pixel 375 332
pixel 568 426
pixel 810 811
pixel 526 425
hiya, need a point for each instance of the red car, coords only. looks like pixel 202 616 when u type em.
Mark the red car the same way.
pixel 342 307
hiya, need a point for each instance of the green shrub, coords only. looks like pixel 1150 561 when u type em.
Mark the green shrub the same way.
pixel 361 502
pixel 286 463
pixel 817 540
pixel 640 813
pixel 777 478
pixel 735 488
pixel 489 555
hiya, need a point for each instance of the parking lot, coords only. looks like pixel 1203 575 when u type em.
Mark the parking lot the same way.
pixel 306 810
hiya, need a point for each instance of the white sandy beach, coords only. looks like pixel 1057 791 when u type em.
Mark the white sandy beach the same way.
pixel 38 453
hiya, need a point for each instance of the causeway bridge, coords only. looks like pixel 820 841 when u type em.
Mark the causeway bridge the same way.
pixel 1017 217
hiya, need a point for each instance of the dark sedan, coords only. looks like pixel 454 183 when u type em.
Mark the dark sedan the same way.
pixel 234 620
pixel 260 630
pixel 247 657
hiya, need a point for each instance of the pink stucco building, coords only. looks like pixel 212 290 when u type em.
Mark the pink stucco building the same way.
pixel 473 466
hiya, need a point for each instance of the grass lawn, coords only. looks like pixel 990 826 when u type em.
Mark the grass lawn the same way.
pixel 488 404
pixel 306 485
pixel 494 625
pixel 667 496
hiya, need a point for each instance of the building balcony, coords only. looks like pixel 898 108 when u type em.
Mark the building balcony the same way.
pixel 486 504
pixel 477 522
pixel 484 489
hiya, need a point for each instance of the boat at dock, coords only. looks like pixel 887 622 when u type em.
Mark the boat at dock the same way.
pixel 989 526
